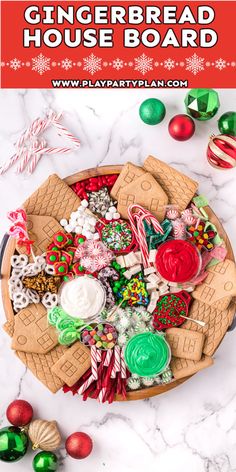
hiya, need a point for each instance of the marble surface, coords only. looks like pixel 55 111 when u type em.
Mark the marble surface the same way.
pixel 192 427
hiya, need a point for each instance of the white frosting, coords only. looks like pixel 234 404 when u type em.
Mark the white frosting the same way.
pixel 83 297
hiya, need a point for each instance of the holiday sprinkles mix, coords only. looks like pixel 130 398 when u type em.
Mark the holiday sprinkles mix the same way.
pixel 119 284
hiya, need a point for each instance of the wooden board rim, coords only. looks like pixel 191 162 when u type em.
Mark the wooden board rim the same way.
pixel 10 248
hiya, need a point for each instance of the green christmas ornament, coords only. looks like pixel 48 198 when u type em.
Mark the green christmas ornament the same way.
pixel 152 111
pixel 45 462
pixel 202 104
pixel 227 123
pixel 13 444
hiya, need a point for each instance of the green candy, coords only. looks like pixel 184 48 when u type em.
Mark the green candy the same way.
pixel 45 462
pixel 13 444
pixel 64 323
pixel 60 239
pixel 68 336
pixel 147 354
pixel 56 314
pixel 200 201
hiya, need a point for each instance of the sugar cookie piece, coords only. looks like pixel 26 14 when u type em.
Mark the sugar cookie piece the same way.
pixel 144 191
pixel 185 367
pixel 41 229
pixel 73 364
pixel 185 343
pixel 179 188
pixel 129 174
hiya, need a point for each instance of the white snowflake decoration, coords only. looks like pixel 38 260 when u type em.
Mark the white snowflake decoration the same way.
pixel 41 64
pixel 169 64
pixel 66 63
pixel 143 64
pixel 195 64
pixel 15 64
pixel 92 64
pixel 117 64
pixel 220 64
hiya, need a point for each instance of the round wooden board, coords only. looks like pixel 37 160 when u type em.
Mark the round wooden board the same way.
pixel 10 249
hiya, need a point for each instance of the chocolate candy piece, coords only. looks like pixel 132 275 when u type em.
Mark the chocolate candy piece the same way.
pixel 66 257
pixel 60 239
pixel 52 257
pixel 61 268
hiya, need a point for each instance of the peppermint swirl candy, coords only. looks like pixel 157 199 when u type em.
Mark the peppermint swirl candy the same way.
pixel 147 354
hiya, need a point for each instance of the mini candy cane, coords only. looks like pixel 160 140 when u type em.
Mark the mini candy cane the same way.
pixel 108 357
pixel 136 220
pixel 29 148
pixel 94 365
pixel 122 365
pixel 116 366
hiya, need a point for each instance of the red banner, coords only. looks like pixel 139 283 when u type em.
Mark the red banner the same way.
pixel 106 44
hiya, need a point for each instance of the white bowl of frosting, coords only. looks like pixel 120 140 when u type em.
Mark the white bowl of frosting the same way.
pixel 83 297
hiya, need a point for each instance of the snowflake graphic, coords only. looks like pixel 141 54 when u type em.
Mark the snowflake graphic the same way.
pixel 66 63
pixel 117 64
pixel 194 64
pixel 169 64
pixel 143 64
pixel 41 64
pixel 220 64
pixel 92 64
pixel 15 64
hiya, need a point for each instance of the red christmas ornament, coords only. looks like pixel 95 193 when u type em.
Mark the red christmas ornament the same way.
pixel 19 413
pixel 181 127
pixel 79 445
pixel 221 151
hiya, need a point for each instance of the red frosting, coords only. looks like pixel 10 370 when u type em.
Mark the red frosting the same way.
pixel 178 261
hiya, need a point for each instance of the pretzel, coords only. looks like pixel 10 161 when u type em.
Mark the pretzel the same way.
pixel 40 262
pixel 49 300
pixel 15 283
pixel 17 272
pixel 19 261
pixel 31 269
pixel 20 300
pixel 33 295
pixel 49 269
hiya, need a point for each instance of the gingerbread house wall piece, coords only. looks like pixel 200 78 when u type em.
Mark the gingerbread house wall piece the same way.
pixel 179 188
pixel 32 332
pixel 146 192
pixel 219 286
pixel 40 230
pixel 75 362
pixel 53 198
pixel 41 366
pixel 129 174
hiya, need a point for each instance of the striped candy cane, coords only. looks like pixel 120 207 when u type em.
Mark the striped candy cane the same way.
pixel 137 214
pixel 29 150
pixel 94 371
pixel 116 366
pixel 122 365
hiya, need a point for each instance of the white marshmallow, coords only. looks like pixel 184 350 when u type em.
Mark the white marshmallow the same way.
pixel 112 209
pixel 84 203
pixel 78 229
pixel 63 222
pixel 116 216
pixel 108 216
pixel 80 221
pixel 69 228
pixel 96 236
pixel 74 215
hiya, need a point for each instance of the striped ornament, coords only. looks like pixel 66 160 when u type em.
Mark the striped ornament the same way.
pixel 221 151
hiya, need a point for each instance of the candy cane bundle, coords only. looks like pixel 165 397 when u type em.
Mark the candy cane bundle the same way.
pixel 30 148
pixel 137 215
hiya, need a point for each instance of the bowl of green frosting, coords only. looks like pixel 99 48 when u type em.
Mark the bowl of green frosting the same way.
pixel 147 354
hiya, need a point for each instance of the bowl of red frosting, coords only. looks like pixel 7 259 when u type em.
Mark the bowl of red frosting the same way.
pixel 178 260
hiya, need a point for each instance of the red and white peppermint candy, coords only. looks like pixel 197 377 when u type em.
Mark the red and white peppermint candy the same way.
pixel 172 214
pixel 179 229
pixel 188 217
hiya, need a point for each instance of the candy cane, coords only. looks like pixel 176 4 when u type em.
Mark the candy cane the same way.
pixel 30 150
pixel 116 366
pixel 94 366
pixel 122 365
pixel 136 220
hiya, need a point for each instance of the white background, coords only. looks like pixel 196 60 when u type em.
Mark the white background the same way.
pixel 192 427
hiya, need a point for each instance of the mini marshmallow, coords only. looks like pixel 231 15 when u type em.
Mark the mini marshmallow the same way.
pixel 78 229
pixel 84 203
pixel 112 209
pixel 80 221
pixel 63 222
pixel 69 228
pixel 74 215
pixel 108 216
pixel 96 237
pixel 116 216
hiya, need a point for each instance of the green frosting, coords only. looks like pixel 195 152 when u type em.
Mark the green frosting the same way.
pixel 147 354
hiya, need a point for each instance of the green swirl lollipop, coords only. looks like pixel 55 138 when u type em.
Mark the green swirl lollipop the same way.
pixel 147 354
